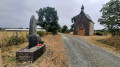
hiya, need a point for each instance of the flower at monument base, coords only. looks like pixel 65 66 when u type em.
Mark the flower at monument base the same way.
pixel 39 44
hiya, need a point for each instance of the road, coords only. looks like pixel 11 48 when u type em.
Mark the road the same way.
pixel 83 54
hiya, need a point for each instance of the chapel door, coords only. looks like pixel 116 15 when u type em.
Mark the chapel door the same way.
pixel 80 31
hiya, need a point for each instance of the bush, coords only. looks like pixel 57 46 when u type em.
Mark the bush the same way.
pixel 54 32
pixel 14 40
pixel 68 31
pixel 99 33
pixel 41 33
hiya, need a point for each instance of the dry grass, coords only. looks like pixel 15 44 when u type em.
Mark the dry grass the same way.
pixel 54 56
pixel 4 35
pixel 112 41
pixel 95 40
pixel 0 59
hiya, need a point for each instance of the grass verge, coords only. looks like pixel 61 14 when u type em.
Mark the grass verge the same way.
pixel 54 56
pixel 113 41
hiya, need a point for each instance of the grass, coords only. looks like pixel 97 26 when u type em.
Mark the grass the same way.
pixel 54 56
pixel 112 41
pixel 5 37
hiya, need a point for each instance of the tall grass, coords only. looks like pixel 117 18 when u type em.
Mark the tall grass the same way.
pixel 112 41
pixel 7 38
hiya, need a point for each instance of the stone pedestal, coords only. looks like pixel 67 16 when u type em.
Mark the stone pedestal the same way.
pixel 31 54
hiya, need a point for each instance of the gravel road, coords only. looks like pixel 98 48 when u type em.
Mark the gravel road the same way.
pixel 83 54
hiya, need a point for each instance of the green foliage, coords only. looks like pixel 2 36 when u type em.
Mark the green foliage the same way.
pixel 14 40
pixel 27 35
pixel 101 32
pixel 65 29
pixel 41 33
pixel 48 19
pixel 59 30
pixel 111 16
pixel 72 27
pixel 73 20
pixel 68 31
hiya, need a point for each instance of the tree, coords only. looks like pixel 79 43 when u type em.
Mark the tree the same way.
pixel 48 19
pixel 111 16
pixel 72 27
pixel 64 29
pixel 73 20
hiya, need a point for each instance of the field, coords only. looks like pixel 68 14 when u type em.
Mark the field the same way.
pixel 55 55
pixel 4 36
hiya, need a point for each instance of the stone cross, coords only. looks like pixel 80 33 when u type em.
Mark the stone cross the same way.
pixel 34 38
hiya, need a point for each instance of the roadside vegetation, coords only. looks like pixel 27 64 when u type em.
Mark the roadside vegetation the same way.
pixel 65 29
pixel 111 20
pixel 12 38
pixel 113 41
pixel 54 55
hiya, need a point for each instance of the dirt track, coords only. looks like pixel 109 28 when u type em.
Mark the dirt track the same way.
pixel 83 54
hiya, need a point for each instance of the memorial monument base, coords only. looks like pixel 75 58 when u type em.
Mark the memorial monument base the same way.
pixel 31 54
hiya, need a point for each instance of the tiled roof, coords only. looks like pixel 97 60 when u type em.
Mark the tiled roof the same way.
pixel 87 16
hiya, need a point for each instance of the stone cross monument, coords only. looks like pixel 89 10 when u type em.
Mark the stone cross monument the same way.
pixel 34 38
pixel 32 51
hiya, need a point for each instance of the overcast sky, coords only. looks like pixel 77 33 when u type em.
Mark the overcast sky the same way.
pixel 17 13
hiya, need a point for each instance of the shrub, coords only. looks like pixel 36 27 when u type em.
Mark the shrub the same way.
pixel 27 36
pixel 99 33
pixel 68 31
pixel 41 33
pixel 13 40
pixel 54 32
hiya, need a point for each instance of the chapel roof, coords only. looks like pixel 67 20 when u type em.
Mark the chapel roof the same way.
pixel 86 15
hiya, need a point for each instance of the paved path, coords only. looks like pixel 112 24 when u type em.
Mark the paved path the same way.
pixel 83 54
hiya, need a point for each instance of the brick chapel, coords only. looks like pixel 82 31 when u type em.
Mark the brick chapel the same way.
pixel 84 24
